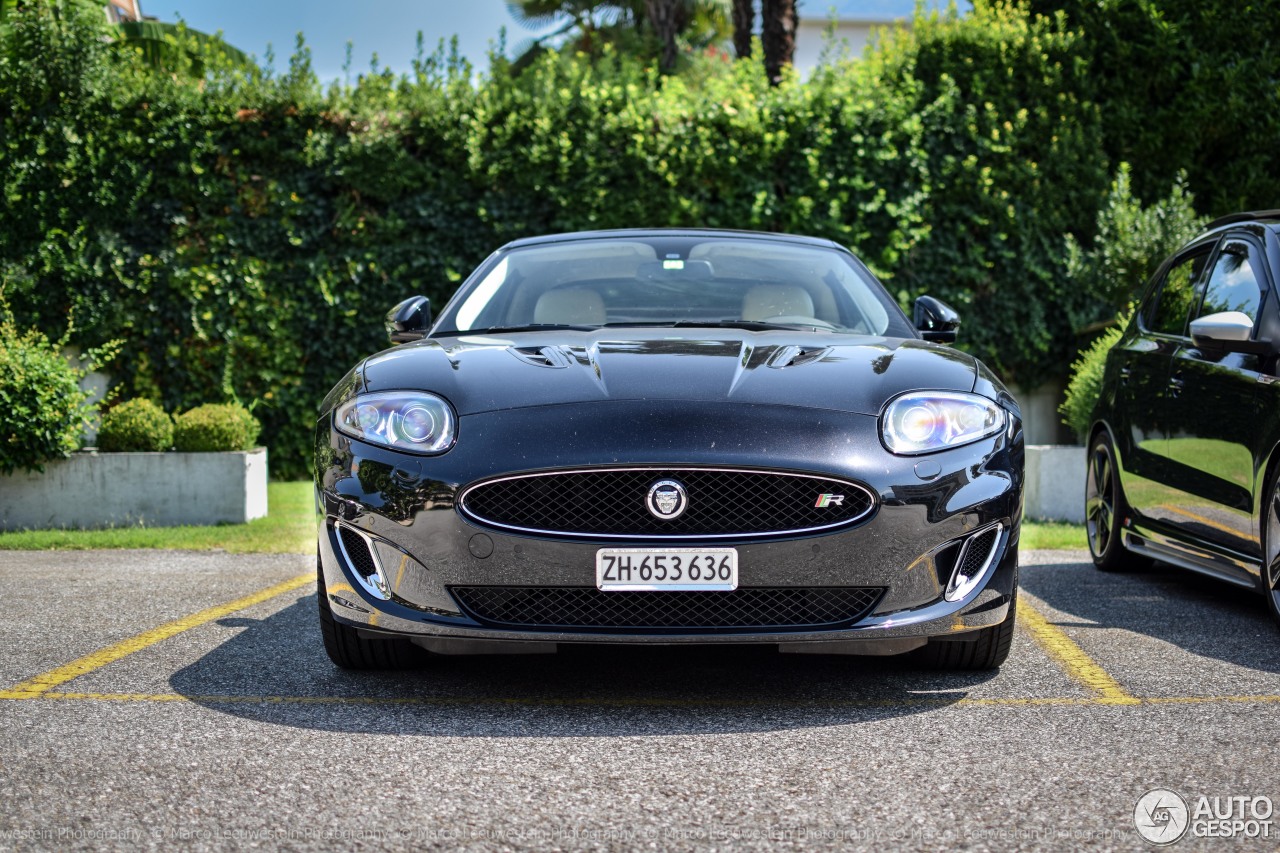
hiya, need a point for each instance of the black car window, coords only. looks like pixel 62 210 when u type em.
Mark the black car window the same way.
pixel 1233 284
pixel 667 279
pixel 1176 293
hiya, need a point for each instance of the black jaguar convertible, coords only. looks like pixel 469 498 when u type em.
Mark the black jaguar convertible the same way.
pixel 669 437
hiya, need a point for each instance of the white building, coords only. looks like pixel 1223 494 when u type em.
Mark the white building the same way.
pixel 856 23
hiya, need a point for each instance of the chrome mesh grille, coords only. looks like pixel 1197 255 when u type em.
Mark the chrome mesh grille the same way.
pixel 977 551
pixel 611 502
pixel 752 608
pixel 357 551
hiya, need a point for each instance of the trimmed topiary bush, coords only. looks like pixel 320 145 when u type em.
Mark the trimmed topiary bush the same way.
pixel 43 411
pixel 137 425
pixel 215 427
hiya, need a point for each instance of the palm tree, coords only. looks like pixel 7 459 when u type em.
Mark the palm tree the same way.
pixel 585 23
pixel 588 22
pixel 779 36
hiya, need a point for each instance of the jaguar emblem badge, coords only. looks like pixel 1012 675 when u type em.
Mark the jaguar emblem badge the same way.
pixel 667 499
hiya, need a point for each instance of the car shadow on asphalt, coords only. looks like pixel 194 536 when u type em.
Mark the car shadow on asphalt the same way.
pixel 275 670
pixel 1203 616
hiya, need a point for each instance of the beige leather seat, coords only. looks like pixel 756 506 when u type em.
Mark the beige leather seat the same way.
pixel 575 306
pixel 776 300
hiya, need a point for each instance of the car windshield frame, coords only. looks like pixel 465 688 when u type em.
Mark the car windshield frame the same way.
pixel 627 280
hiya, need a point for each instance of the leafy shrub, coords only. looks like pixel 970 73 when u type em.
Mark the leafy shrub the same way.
pixel 1131 241
pixel 1086 378
pixel 135 425
pixel 42 409
pixel 215 427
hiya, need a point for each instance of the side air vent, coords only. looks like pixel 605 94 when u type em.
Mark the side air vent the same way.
pixel 795 356
pixel 975 558
pixel 541 356
pixel 357 550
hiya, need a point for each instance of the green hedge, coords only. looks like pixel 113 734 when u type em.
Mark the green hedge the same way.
pixel 245 233
pixel 136 425
pixel 1189 85
pixel 215 427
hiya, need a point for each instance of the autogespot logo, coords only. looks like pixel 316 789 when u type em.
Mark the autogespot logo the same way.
pixel 1161 816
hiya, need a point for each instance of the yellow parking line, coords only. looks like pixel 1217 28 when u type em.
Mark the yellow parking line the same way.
pixel 1225 528
pixel 34 688
pixel 1196 700
pixel 1073 659
pixel 459 701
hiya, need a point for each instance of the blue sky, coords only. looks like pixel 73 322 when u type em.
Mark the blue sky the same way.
pixel 390 27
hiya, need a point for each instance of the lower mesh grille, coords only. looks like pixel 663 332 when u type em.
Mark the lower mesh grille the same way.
pixel 977 551
pixel 357 551
pixel 755 608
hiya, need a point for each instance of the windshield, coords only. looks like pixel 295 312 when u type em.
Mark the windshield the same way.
pixel 674 280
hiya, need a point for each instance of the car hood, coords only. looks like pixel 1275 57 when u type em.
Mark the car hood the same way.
pixel 837 372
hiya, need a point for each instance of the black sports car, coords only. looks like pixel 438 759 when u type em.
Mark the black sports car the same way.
pixel 669 437
pixel 1182 454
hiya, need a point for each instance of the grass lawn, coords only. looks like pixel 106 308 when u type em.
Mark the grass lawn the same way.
pixel 1052 535
pixel 291 528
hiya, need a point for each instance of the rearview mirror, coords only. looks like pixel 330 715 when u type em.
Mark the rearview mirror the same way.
pixel 936 320
pixel 409 321
pixel 1230 331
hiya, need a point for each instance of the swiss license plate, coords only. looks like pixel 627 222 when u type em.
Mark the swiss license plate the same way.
pixel 649 569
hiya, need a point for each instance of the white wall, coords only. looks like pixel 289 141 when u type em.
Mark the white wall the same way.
pixel 851 38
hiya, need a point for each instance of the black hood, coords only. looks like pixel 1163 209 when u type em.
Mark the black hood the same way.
pixel 837 372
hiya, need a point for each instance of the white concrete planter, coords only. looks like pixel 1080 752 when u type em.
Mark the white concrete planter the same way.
pixel 1055 483
pixel 93 489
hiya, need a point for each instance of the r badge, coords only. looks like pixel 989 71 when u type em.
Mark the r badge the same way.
pixel 830 500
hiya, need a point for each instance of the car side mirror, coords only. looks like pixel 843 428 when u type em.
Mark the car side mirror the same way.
pixel 1226 331
pixel 936 320
pixel 409 321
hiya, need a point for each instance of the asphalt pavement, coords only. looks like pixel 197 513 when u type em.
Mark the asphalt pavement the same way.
pixel 153 698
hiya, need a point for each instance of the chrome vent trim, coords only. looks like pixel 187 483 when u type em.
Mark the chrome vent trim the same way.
pixel 545 356
pixel 794 356
pixel 374 583
pixel 977 563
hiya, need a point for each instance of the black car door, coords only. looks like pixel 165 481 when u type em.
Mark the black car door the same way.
pixel 1215 411
pixel 1140 366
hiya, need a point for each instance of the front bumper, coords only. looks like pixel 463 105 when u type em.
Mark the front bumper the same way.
pixel 404 507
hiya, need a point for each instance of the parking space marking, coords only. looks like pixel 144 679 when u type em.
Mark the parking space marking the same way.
pixel 41 685
pixel 1051 638
pixel 1075 662
pixel 1186 513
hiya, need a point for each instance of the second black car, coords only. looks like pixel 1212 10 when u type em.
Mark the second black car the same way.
pixel 1182 463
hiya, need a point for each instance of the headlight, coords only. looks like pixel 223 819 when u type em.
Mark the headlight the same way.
pixel 925 421
pixel 406 420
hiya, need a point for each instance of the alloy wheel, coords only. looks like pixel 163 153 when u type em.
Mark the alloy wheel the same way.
pixel 1099 506
pixel 1271 566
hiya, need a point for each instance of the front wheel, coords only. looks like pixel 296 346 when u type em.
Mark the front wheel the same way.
pixel 988 648
pixel 1271 549
pixel 1105 508
pixel 346 648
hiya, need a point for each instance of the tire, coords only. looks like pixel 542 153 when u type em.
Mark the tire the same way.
pixel 1270 526
pixel 347 649
pixel 988 649
pixel 1105 509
